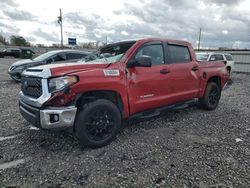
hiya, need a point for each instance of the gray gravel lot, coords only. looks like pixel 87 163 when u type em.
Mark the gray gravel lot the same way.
pixel 186 148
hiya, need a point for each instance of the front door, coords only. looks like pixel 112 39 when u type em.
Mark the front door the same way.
pixel 147 85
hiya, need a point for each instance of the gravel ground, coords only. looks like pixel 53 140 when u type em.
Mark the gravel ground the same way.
pixel 186 148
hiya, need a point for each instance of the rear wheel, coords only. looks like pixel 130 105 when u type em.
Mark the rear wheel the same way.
pixel 229 70
pixel 98 123
pixel 211 97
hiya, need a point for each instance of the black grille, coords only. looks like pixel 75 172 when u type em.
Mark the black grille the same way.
pixel 31 86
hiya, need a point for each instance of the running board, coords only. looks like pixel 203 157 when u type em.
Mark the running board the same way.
pixel 157 111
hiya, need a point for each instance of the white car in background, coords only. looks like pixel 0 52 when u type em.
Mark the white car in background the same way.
pixel 212 56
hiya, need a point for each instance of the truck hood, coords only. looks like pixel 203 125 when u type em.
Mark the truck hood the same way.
pixel 67 68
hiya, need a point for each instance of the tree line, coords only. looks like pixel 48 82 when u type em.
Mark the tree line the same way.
pixel 15 40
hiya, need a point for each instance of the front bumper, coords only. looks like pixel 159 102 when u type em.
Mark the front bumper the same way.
pixel 50 118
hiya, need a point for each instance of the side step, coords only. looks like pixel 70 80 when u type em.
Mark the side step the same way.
pixel 156 112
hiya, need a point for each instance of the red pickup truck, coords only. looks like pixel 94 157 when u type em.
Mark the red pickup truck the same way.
pixel 121 81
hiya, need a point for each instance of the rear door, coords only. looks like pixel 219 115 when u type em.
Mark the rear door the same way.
pixel 183 81
pixel 147 85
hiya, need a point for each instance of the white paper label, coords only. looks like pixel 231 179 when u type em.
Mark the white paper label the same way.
pixel 111 72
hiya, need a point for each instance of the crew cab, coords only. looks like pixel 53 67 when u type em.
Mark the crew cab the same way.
pixel 213 56
pixel 124 80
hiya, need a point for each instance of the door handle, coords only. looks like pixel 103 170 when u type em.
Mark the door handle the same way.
pixel 195 68
pixel 164 71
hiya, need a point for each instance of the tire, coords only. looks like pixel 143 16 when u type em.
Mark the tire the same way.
pixel 229 70
pixel 98 123
pixel 211 97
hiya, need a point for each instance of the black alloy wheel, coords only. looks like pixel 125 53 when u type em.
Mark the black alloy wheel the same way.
pixel 211 97
pixel 98 123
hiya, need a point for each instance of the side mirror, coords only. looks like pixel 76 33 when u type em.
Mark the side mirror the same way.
pixel 142 61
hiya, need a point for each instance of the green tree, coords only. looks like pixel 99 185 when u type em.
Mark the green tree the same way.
pixel 18 41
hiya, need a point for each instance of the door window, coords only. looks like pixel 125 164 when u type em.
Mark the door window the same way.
pixel 179 54
pixel 70 56
pixel 155 51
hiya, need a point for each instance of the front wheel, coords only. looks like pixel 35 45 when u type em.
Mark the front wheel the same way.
pixel 98 123
pixel 211 97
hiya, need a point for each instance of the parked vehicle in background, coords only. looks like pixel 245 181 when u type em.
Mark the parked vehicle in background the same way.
pixel 124 80
pixel 51 57
pixel 212 56
pixel 10 52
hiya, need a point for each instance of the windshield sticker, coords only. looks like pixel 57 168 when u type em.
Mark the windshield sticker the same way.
pixel 111 72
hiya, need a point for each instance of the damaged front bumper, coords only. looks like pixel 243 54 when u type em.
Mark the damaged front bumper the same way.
pixel 49 118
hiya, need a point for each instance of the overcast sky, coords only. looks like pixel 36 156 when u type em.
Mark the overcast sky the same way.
pixel 224 23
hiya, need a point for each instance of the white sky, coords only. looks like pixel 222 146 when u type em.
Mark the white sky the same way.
pixel 47 11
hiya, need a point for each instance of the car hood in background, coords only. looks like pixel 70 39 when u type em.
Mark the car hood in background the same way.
pixel 23 62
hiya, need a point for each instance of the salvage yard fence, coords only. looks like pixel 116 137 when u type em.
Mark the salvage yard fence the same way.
pixel 242 61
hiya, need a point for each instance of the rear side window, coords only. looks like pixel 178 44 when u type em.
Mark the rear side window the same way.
pixel 179 54
pixel 228 57
pixel 219 57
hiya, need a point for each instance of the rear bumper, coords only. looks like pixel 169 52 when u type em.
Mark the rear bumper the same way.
pixel 51 118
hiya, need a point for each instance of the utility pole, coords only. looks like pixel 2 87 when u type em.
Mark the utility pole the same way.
pixel 60 22
pixel 199 43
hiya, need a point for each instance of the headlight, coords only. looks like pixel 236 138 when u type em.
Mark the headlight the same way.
pixel 19 68
pixel 12 67
pixel 57 84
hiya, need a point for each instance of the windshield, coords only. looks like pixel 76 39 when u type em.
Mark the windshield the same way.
pixel 43 57
pixel 202 57
pixel 111 53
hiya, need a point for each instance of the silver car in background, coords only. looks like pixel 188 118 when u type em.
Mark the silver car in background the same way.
pixel 213 56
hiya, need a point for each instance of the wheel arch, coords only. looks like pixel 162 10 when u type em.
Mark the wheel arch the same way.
pixel 111 95
pixel 215 79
